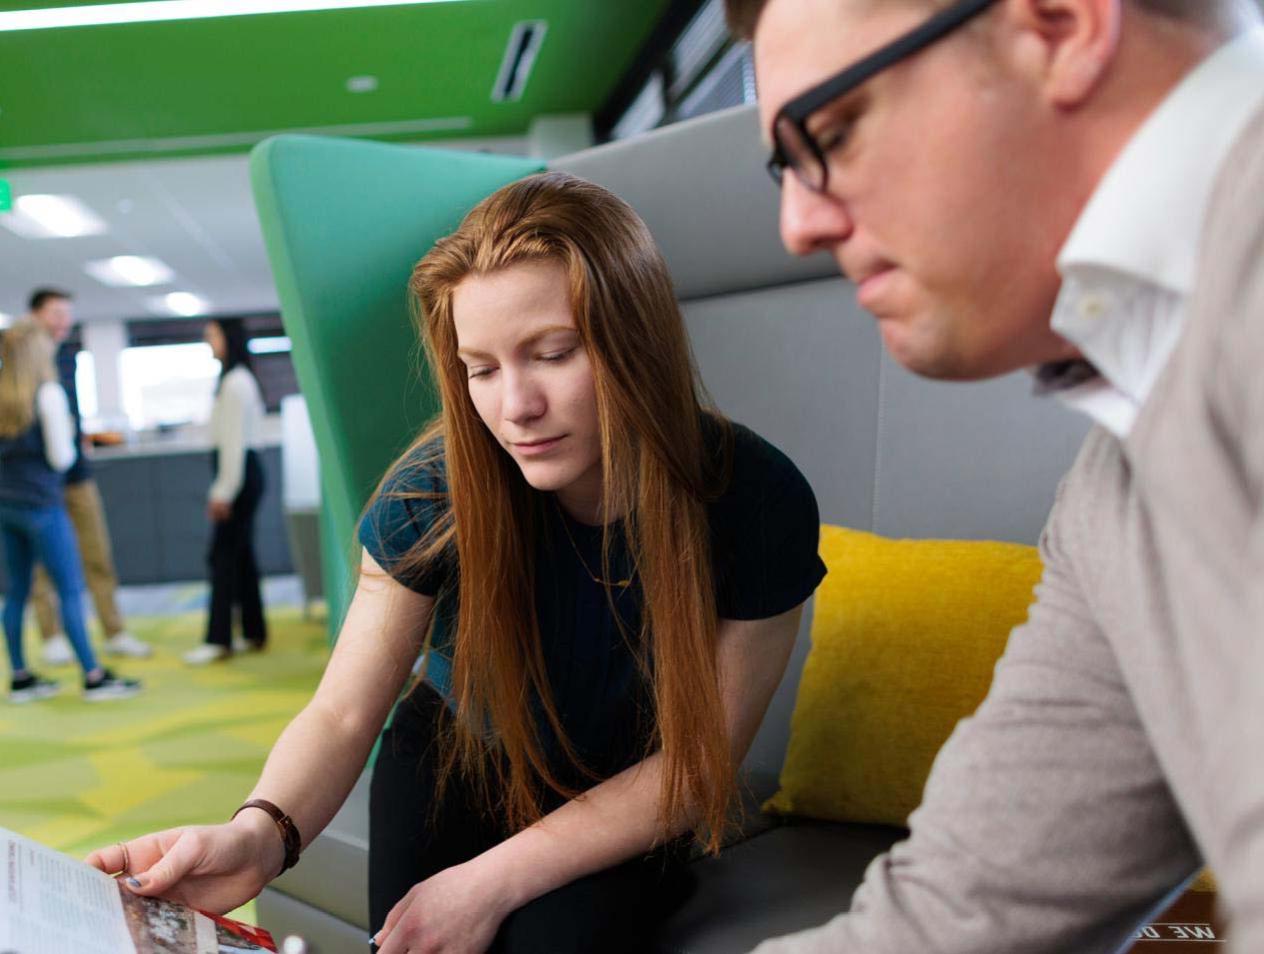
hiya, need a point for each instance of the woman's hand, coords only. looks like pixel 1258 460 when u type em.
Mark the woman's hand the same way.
pixel 219 510
pixel 213 868
pixel 457 911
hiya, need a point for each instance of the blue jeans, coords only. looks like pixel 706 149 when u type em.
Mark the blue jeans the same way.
pixel 44 534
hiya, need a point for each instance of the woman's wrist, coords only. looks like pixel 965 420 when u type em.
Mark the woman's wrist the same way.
pixel 267 848
pixel 496 884
pixel 511 875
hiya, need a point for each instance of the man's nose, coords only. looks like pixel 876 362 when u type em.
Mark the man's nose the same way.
pixel 811 221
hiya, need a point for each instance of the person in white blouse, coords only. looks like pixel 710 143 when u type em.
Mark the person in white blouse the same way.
pixel 233 499
pixel 37 446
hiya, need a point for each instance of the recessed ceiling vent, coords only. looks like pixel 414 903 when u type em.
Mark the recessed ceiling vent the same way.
pixel 524 43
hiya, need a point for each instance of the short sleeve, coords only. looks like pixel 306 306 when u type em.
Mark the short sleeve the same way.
pixel 765 534
pixel 410 501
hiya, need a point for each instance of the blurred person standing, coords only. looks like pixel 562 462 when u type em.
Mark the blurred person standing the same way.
pixel 52 310
pixel 36 449
pixel 234 498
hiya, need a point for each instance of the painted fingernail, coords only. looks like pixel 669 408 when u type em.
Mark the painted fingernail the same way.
pixel 133 882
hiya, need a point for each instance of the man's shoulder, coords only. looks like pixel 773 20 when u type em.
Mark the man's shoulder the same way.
pixel 1235 218
pixel 1226 343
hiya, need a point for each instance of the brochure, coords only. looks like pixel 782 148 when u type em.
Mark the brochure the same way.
pixel 52 904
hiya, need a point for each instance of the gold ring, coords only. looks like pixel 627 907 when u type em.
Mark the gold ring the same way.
pixel 127 861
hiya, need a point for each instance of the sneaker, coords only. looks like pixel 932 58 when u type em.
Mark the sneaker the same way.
pixel 30 687
pixel 125 644
pixel 207 653
pixel 109 686
pixel 57 651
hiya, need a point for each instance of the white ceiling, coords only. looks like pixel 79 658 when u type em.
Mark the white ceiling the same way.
pixel 196 215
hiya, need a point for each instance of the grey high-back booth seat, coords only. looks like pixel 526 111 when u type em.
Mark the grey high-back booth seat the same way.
pixel 783 348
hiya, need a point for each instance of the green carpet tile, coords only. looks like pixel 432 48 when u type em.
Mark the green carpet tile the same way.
pixel 187 750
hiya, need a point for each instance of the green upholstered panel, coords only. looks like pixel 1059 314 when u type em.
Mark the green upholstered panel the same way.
pixel 344 221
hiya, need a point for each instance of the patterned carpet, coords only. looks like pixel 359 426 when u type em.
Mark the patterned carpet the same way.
pixel 76 776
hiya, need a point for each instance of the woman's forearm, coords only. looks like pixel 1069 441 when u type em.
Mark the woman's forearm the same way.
pixel 313 766
pixel 319 756
pixel 619 818
pixel 613 821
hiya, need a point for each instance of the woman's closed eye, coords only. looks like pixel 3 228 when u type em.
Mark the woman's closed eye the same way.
pixel 562 355
pixel 479 371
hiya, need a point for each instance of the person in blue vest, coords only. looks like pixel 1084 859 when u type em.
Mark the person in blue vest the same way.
pixel 52 309
pixel 37 446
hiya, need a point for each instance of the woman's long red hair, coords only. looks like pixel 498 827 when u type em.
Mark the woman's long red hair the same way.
pixel 658 476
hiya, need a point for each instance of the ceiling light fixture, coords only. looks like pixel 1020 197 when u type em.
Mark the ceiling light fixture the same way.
pixel 152 11
pixel 51 216
pixel 278 344
pixel 135 270
pixel 185 304
pixel 361 84
pixel 515 67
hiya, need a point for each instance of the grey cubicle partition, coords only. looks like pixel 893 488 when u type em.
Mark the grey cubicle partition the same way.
pixel 783 348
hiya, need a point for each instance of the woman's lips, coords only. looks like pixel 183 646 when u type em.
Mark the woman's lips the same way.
pixel 535 448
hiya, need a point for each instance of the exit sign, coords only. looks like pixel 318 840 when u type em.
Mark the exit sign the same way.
pixel 6 196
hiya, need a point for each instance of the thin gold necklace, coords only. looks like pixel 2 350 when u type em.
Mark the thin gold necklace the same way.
pixel 622 584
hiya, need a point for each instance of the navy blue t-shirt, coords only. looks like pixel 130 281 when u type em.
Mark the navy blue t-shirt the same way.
pixel 764 532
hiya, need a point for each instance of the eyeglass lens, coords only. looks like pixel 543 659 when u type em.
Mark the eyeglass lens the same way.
pixel 799 154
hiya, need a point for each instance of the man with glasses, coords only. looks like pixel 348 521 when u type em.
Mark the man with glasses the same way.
pixel 1075 187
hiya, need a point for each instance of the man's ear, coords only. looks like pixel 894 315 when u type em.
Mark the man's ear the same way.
pixel 1067 44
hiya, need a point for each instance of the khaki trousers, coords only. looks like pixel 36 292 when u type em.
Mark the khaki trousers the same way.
pixel 83 502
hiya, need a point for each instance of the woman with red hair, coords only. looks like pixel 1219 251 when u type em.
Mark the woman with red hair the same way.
pixel 602 578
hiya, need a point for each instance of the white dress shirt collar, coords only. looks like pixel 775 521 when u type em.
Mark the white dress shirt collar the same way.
pixel 1131 259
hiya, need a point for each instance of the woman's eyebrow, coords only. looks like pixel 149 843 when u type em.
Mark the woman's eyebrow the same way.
pixel 524 343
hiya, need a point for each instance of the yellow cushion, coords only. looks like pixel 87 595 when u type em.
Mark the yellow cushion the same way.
pixel 905 636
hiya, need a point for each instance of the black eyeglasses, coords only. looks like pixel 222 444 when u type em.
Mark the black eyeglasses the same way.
pixel 794 147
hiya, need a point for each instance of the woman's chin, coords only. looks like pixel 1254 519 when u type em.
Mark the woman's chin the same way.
pixel 546 476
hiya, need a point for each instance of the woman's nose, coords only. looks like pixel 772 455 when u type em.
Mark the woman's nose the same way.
pixel 523 399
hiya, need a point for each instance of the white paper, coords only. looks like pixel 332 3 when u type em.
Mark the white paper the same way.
pixel 52 904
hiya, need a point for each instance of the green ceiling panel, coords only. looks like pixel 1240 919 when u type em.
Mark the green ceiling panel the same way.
pixel 202 86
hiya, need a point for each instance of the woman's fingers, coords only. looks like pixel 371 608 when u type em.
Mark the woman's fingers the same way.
pixel 131 856
pixel 392 919
pixel 184 855
pixel 109 860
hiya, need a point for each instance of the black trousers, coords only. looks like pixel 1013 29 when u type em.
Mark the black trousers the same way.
pixel 410 838
pixel 234 572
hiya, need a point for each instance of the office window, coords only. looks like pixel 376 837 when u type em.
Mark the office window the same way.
pixel 269 349
pixel 165 385
pixel 86 384
pixel 701 70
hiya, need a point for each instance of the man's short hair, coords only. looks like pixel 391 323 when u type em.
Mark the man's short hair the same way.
pixel 41 296
pixel 743 15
